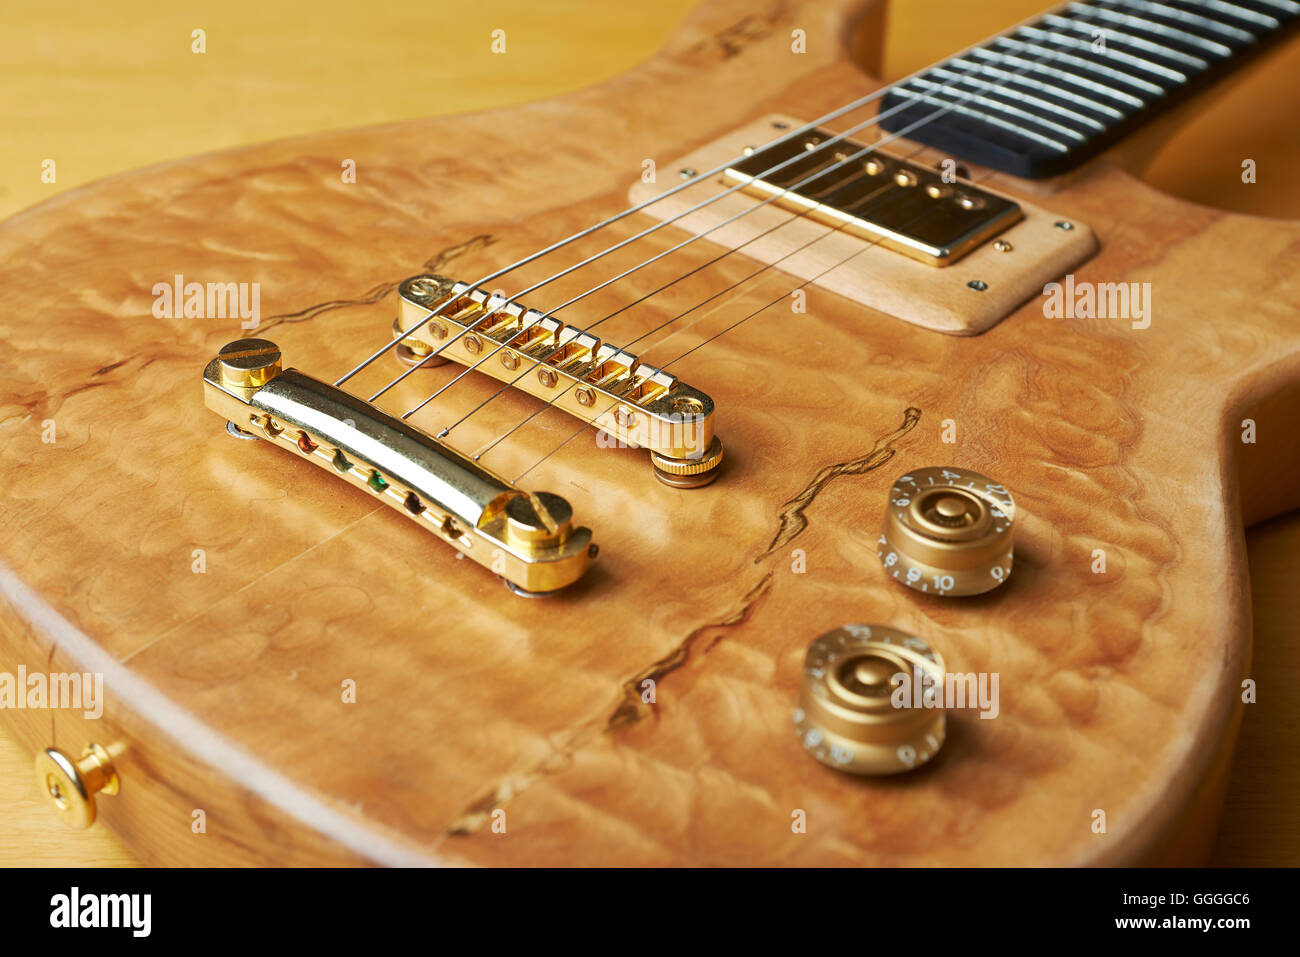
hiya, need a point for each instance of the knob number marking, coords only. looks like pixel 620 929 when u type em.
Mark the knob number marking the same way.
pixel 947 531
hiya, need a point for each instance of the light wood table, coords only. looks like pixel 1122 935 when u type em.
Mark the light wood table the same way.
pixel 105 88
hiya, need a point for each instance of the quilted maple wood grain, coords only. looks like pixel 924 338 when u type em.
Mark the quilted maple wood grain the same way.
pixel 1119 691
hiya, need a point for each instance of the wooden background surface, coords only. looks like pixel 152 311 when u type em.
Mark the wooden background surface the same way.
pixel 102 89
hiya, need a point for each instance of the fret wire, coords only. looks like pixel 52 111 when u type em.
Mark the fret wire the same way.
pixel 1041 103
pixel 991 120
pixel 1072 78
pixel 1160 29
pixel 1073 60
pixel 1242 13
pixel 1155 69
pixel 1183 16
pixel 1149 46
pixel 1011 111
pixel 1288 6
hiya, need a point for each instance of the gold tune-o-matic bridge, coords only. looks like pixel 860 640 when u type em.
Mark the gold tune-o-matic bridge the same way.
pixel 527 538
pixel 637 404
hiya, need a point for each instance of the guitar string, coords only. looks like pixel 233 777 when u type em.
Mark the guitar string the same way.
pixel 1054 54
pixel 498 306
pixel 816 174
pixel 504 301
pixel 980 90
pixel 968 76
pixel 484 450
pixel 581 234
pixel 641 265
pixel 781 298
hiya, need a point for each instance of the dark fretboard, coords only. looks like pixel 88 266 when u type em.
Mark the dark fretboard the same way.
pixel 1044 97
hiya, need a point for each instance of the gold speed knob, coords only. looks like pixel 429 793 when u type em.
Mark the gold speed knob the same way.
pixel 870 700
pixel 947 532
pixel 70 786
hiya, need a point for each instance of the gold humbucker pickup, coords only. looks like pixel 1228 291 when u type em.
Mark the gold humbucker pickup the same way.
pixel 527 538
pixel 636 403
pixel 900 205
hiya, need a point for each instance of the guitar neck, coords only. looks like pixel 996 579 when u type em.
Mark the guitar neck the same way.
pixel 1049 94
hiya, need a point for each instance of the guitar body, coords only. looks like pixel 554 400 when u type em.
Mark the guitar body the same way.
pixel 236 600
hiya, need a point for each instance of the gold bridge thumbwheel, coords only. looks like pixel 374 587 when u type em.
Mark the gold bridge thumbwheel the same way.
pixel 947 532
pixel 689 473
pixel 871 701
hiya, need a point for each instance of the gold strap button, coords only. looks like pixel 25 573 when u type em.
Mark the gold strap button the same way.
pixel 70 786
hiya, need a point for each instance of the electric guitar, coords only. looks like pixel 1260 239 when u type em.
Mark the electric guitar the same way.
pixel 635 477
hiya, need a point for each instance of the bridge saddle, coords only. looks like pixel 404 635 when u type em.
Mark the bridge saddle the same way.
pixel 634 403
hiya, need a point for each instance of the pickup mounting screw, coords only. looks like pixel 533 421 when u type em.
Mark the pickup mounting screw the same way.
pixel 1064 224
pixel 687 173
pixel 979 285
